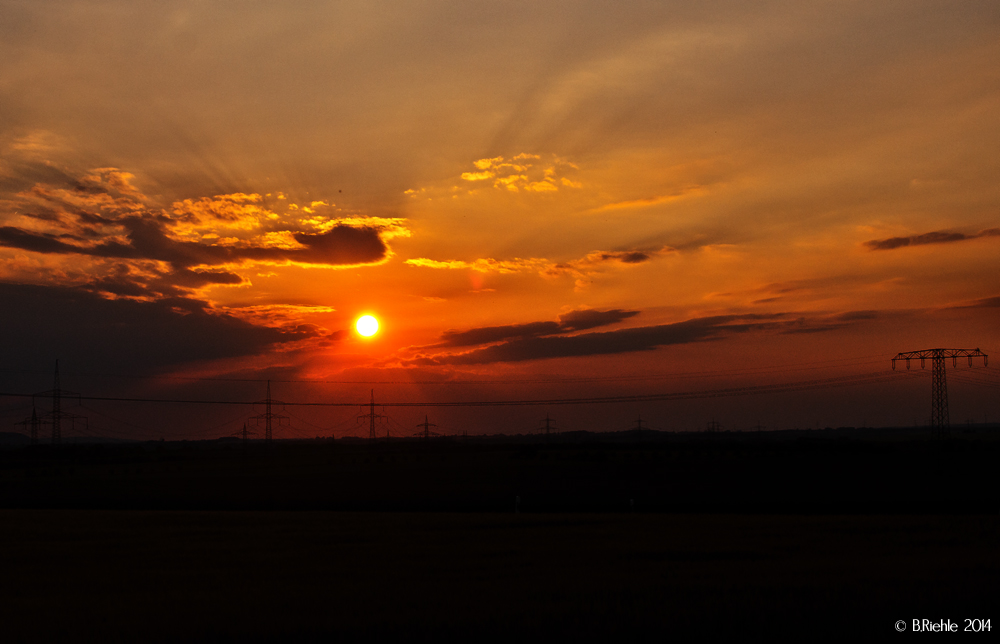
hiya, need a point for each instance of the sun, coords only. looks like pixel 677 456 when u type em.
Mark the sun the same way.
pixel 367 325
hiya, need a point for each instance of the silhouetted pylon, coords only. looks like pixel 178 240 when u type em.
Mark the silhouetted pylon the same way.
pixel 33 424
pixel 426 425
pixel 56 409
pixel 940 422
pixel 56 416
pixel 268 416
pixel 372 416
pixel 548 424
pixel 245 434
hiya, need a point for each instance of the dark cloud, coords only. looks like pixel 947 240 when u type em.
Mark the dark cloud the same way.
pixel 343 245
pixel 572 321
pixel 551 341
pixel 936 237
pixel 851 316
pixel 195 279
pixel 589 318
pixel 629 257
pixel 121 286
pixel 486 335
pixel 35 242
pixel 87 329
pixel 23 174
pixel 141 249
pixel 620 341
pixel 148 240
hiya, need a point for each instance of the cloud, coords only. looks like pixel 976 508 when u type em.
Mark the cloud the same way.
pixel 534 347
pixel 936 237
pixel 146 239
pixel 523 172
pixel 274 315
pixel 542 340
pixel 598 260
pixel 86 329
pixel 485 335
pixel 590 318
pixel 588 265
pixel 238 211
pixel 173 251
pixel 568 322
pixel 485 265
pixel 342 245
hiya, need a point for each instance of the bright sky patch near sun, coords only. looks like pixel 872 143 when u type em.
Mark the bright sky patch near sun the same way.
pixel 367 325
pixel 461 167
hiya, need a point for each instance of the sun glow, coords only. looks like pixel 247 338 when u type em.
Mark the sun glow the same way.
pixel 367 325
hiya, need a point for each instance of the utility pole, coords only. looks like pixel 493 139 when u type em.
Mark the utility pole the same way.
pixel 714 426
pixel 940 422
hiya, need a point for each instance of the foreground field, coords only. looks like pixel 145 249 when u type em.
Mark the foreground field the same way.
pixel 723 474
pixel 73 575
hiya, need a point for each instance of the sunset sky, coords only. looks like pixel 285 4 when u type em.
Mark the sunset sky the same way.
pixel 536 200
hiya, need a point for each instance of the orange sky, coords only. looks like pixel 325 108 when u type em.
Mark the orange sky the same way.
pixel 572 189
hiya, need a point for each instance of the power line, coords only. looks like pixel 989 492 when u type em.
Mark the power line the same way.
pixel 804 366
pixel 825 383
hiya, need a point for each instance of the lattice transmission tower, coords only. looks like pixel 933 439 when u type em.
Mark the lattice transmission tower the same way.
pixel 426 424
pixel 57 415
pixel 548 425
pixel 940 424
pixel 371 416
pixel 245 435
pixel 269 416
pixel 34 422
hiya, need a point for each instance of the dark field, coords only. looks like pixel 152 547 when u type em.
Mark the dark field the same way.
pixel 721 474
pixel 165 542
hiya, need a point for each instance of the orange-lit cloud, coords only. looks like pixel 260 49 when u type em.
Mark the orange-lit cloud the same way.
pixel 485 265
pixel 129 246
pixel 234 211
pixel 523 172
pixel 589 265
